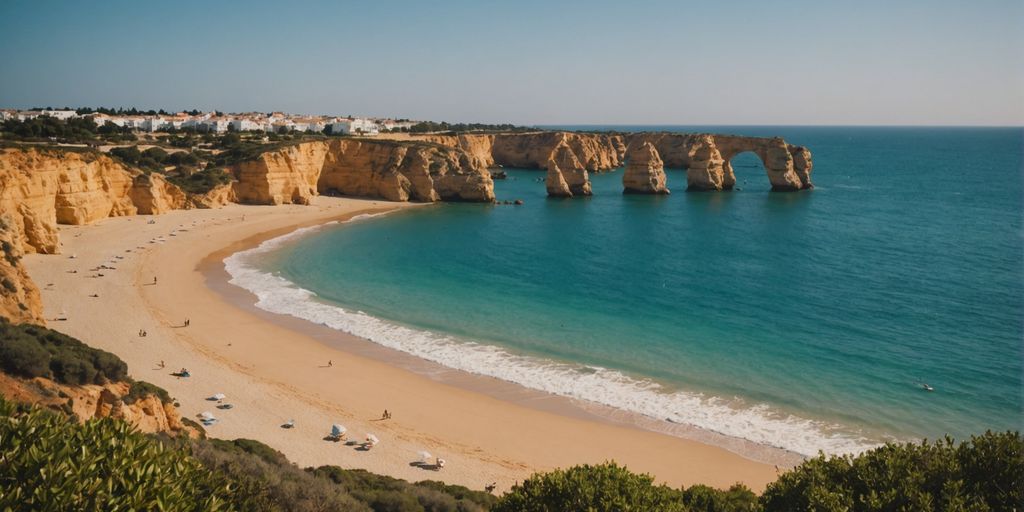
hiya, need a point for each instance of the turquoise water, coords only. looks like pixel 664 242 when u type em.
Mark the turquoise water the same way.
pixel 802 320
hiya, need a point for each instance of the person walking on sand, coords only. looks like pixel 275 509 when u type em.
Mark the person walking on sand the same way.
pixel 162 365
pixel 330 363
pixel 186 322
pixel 154 280
pixel 385 415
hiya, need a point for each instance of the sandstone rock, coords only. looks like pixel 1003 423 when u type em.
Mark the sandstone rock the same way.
pixel 217 197
pixel 645 172
pixel 19 297
pixel 152 194
pixel 287 175
pixel 563 163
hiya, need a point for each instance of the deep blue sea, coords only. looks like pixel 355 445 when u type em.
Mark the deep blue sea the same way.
pixel 801 320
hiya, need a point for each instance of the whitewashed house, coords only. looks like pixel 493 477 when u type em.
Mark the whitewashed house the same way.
pixel 356 126
pixel 245 125
pixel 216 125
pixel 63 115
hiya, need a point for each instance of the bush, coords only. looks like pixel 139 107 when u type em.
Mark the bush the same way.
pixel 986 473
pixel 35 351
pixel 202 181
pixel 70 368
pixel 22 356
pixel 53 463
pixel 141 389
pixel 604 487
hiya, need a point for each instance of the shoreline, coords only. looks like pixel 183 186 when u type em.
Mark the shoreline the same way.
pixel 502 436
pixel 218 279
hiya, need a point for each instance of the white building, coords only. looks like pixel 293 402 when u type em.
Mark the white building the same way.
pixel 216 124
pixel 246 125
pixel 63 115
pixel 356 126
pixel 153 124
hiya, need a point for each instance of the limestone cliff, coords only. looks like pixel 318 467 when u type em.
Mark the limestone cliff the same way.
pixel 391 170
pixel 566 175
pixel 707 157
pixel 645 172
pixel 41 188
pixel 595 152
pixel 218 196
pixel 152 194
pixel 19 296
pixel 147 414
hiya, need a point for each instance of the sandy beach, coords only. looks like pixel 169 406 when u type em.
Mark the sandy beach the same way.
pixel 274 368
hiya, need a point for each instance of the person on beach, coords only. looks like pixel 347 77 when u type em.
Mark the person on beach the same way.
pixel 385 415
pixel 330 363
pixel 154 279
pixel 186 322
pixel 162 365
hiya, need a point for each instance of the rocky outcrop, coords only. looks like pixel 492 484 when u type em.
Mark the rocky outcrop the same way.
pixel 645 172
pixel 42 188
pixel 19 296
pixel 217 197
pixel 152 194
pixel 706 158
pixel 147 413
pixel 386 169
pixel 594 152
pixel 566 175
pixel 287 175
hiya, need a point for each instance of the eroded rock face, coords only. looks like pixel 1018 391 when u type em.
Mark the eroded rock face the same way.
pixel 287 175
pixel 19 297
pixel 390 170
pixel 148 414
pixel 43 188
pixel 567 177
pixel 217 197
pixel 645 172
pixel 706 157
pixel 152 194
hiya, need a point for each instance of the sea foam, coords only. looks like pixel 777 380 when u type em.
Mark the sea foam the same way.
pixel 757 423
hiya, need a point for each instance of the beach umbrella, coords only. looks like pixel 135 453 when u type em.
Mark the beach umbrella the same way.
pixel 337 430
pixel 219 396
pixel 424 456
pixel 372 439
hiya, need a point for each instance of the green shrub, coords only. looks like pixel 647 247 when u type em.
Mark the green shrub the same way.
pixel 605 487
pixel 203 181
pixel 35 351
pixel 70 368
pixel 985 473
pixel 141 389
pixel 22 356
pixel 52 463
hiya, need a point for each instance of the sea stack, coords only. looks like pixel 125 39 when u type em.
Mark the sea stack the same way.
pixel 567 177
pixel 645 172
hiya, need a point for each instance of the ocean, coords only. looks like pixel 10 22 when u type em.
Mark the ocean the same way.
pixel 805 321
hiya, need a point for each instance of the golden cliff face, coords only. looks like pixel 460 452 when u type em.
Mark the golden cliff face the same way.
pixel 148 414
pixel 706 158
pixel 43 188
pixel 19 297
pixel 386 169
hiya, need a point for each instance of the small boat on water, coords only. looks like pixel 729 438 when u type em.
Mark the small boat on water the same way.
pixel 926 387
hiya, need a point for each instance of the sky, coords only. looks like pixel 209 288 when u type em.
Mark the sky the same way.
pixel 933 62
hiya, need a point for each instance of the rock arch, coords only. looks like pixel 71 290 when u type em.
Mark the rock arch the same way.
pixel 707 157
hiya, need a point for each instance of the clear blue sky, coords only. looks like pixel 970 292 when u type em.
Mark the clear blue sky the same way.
pixel 530 62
